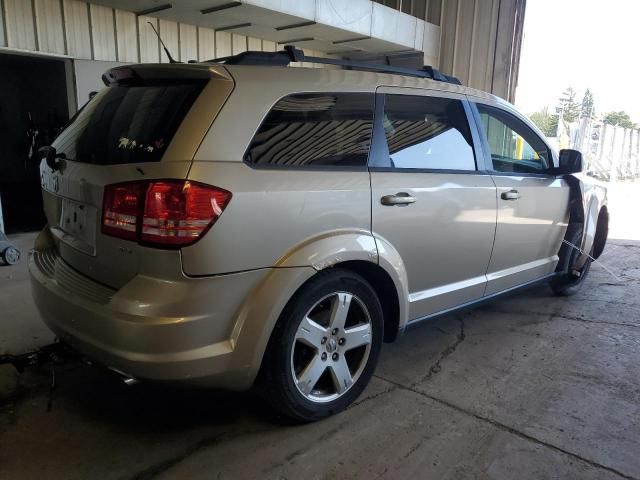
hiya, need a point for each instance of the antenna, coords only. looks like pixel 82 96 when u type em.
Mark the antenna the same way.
pixel 166 50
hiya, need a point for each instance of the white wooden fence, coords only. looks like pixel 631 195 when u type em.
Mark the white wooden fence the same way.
pixel 610 153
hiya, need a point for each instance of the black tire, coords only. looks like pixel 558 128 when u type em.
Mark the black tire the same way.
pixel 276 381
pixel 569 284
pixel 10 255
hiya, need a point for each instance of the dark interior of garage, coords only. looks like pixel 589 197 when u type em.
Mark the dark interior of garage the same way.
pixel 33 109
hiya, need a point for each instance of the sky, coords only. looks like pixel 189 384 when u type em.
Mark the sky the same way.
pixel 591 44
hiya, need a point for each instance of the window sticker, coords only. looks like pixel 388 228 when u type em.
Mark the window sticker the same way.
pixel 125 143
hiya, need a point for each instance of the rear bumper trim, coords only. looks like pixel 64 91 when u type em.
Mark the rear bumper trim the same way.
pixel 118 330
pixel 51 265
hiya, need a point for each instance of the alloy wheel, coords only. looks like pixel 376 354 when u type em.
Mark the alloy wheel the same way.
pixel 331 347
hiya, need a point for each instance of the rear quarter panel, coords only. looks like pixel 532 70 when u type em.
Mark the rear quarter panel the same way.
pixel 274 211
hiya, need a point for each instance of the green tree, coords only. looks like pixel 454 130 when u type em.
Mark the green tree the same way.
pixel 588 105
pixel 545 121
pixel 568 107
pixel 621 119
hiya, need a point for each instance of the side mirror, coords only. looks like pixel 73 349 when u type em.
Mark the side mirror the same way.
pixel 570 162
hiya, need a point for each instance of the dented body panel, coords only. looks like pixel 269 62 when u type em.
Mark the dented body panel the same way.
pixel 594 196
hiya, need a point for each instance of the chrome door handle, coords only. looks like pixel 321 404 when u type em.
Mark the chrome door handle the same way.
pixel 510 195
pixel 401 198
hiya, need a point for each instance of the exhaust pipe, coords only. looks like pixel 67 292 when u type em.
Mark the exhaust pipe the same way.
pixel 126 379
pixel 130 381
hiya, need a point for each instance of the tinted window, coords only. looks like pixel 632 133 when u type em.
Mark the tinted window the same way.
pixel 514 146
pixel 315 129
pixel 427 132
pixel 128 124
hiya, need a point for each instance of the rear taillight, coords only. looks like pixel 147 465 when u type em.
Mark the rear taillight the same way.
pixel 167 213
pixel 121 209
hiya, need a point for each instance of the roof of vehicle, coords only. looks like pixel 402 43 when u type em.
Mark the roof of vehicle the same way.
pixel 339 74
pixel 351 79
pixel 332 78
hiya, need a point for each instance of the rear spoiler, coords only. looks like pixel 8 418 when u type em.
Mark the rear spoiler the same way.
pixel 164 72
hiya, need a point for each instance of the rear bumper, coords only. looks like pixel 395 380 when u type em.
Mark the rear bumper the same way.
pixel 176 331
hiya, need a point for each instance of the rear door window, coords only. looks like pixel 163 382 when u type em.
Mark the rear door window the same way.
pixel 319 129
pixel 427 133
pixel 128 123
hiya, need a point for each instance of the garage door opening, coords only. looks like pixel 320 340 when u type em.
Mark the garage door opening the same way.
pixel 34 106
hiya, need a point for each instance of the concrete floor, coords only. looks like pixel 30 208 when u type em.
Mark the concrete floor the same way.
pixel 531 386
pixel 20 326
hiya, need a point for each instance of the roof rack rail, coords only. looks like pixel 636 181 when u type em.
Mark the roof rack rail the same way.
pixel 293 54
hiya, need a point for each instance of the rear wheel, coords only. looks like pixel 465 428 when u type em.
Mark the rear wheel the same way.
pixel 324 348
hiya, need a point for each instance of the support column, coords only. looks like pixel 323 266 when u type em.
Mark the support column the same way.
pixel 637 151
pixel 614 157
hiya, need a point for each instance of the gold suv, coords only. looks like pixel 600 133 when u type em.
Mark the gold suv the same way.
pixel 239 222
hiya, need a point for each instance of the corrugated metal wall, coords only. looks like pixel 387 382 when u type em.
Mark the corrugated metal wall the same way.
pixel 428 10
pixel 481 41
pixel 93 32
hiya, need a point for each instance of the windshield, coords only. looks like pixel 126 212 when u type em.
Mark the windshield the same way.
pixel 128 123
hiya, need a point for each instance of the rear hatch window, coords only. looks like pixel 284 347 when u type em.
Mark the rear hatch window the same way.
pixel 121 135
pixel 129 123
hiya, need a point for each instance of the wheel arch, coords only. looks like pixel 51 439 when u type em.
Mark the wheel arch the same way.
pixel 587 201
pixel 356 250
pixel 372 257
pixel 602 232
pixel 595 206
pixel 381 282
pixel 385 289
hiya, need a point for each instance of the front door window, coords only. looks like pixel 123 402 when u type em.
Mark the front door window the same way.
pixel 514 146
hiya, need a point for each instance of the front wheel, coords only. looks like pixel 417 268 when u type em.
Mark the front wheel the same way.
pixel 570 283
pixel 324 348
